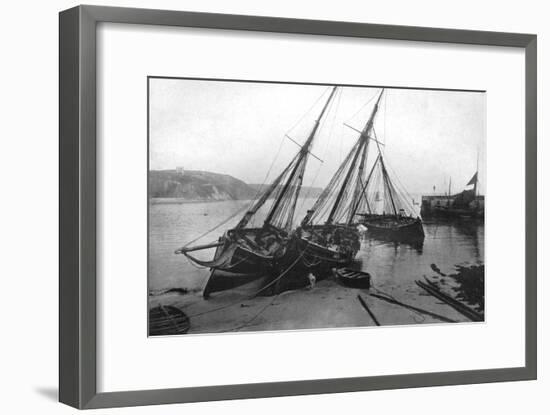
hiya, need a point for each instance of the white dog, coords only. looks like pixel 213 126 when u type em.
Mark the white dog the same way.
pixel 312 280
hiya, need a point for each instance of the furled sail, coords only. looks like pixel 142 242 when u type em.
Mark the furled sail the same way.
pixel 340 200
pixel 327 237
pixel 394 200
pixel 250 249
pixel 390 216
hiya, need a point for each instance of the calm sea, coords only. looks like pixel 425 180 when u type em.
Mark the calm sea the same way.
pixel 172 225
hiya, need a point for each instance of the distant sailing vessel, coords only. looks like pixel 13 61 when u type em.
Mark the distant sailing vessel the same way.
pixel 256 250
pixel 390 216
pixel 328 236
pixel 467 204
pixel 396 220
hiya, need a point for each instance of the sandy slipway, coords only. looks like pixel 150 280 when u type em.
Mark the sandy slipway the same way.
pixel 327 305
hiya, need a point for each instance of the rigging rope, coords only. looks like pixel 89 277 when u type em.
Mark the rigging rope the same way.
pixel 363 107
pixel 247 323
pixel 308 111
pixel 249 297
pixel 337 105
pixel 217 226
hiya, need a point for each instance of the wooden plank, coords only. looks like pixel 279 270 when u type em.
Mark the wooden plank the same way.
pixel 420 310
pixel 457 305
pixel 366 307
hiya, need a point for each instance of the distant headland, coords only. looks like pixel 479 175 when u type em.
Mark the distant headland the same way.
pixel 197 186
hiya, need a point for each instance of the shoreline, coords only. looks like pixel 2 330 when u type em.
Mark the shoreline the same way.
pixel 327 305
pixel 183 201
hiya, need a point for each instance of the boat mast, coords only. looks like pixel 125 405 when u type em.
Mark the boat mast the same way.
pixel 386 180
pixel 364 189
pixel 364 137
pixel 302 156
pixel 357 193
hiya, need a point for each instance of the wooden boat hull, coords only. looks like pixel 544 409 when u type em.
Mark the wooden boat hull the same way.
pixel 246 261
pixel 353 278
pixel 261 278
pixel 219 281
pixel 242 266
pixel 401 229
pixel 240 254
pixel 315 252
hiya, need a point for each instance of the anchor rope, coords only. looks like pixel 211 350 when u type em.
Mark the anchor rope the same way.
pixel 249 297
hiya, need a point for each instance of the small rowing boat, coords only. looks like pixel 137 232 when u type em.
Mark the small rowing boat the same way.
pixel 353 278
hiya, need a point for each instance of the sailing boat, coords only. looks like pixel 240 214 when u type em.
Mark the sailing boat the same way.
pixel 335 241
pixel 260 250
pixel 397 220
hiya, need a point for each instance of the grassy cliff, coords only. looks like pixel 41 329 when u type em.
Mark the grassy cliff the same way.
pixel 196 185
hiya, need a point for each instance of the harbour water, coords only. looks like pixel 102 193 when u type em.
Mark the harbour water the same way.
pixel 172 225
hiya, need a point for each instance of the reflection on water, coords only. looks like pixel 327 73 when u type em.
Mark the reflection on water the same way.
pixel 171 225
pixel 445 244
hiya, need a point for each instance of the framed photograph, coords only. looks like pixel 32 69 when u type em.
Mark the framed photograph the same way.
pixel 256 207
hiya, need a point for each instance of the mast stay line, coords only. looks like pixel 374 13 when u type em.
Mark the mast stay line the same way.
pixel 364 135
pixel 363 142
pixel 300 145
pixel 301 157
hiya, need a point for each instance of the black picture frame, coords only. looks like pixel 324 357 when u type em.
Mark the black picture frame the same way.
pixel 77 205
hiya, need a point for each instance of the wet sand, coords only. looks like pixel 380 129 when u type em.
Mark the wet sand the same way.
pixel 394 268
pixel 327 305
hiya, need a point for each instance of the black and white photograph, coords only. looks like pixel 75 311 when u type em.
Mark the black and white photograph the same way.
pixel 285 206
pixel 274 207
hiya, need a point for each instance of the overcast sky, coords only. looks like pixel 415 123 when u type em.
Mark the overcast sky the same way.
pixel 239 128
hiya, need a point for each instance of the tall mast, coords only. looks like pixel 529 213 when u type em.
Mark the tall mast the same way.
pixel 386 180
pixel 302 155
pixel 364 137
pixel 364 189
pixel 357 193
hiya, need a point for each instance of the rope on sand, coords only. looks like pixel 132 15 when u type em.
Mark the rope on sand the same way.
pixel 366 307
pixel 249 297
pixel 410 307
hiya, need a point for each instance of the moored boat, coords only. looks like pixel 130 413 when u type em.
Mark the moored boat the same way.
pixel 326 245
pixel 353 278
pixel 394 226
pixel 257 250
pixel 383 207
pixel 328 235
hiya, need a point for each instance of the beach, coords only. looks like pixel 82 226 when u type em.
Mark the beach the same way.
pixel 394 269
pixel 327 305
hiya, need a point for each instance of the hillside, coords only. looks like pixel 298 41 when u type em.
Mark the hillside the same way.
pixel 197 185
